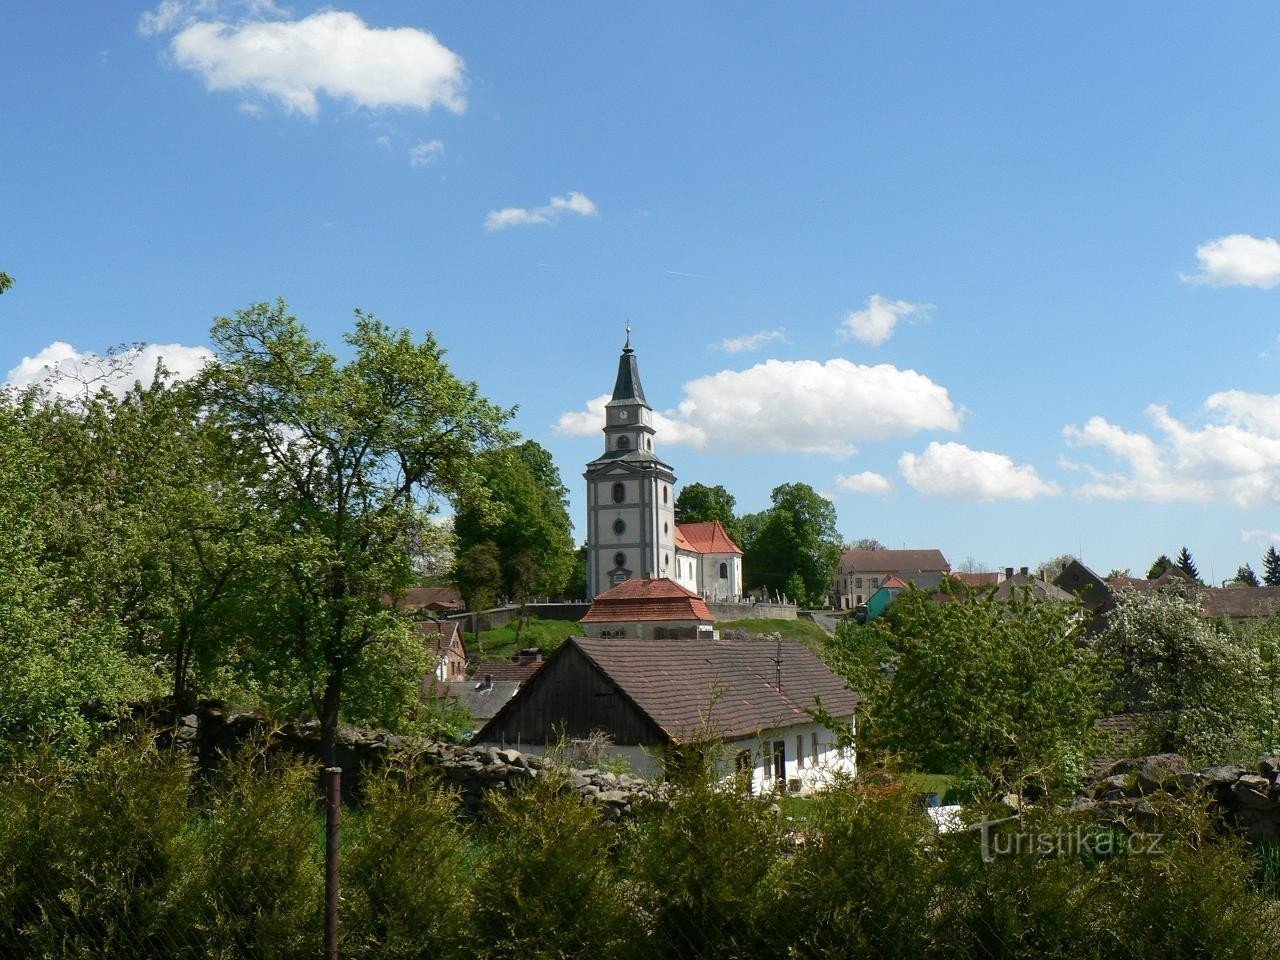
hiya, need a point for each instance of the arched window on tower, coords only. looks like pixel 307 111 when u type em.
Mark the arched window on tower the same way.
pixel 624 443
pixel 619 492
pixel 724 571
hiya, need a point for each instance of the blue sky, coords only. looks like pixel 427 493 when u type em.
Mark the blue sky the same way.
pixel 997 279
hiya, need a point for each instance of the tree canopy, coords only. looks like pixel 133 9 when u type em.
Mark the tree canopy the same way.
pixel 793 547
pixel 521 508
pixel 699 503
pixel 355 452
pixel 1004 688
pixel 1187 565
pixel 1271 567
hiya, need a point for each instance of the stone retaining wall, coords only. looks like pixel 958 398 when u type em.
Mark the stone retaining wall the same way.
pixel 215 730
pixel 1247 800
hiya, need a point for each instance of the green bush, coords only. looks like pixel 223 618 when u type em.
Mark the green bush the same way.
pixel 700 866
pixel 87 852
pixel 252 878
pixel 407 871
pixel 546 886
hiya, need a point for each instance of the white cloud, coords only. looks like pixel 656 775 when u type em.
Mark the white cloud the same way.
pixel 589 423
pixel 1234 456
pixel 865 482
pixel 64 371
pixel 875 322
pixel 1260 536
pixel 1238 260
pixel 425 153
pixel 751 341
pixel 799 406
pixel 554 209
pixel 293 61
pixel 956 472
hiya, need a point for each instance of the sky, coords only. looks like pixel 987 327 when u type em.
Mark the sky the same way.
pixel 998 279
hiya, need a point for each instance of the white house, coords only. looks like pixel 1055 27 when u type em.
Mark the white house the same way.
pixel 708 561
pixel 653 701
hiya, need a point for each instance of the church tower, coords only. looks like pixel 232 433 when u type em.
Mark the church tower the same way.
pixel 631 518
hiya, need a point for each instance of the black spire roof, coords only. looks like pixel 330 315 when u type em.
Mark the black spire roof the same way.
pixel 627 386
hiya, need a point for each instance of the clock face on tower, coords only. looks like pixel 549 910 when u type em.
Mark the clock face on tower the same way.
pixel 622 414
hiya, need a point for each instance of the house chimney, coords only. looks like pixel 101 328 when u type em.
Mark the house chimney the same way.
pixel 1008 573
pixel 1024 572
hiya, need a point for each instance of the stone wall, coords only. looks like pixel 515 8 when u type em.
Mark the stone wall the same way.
pixel 728 612
pixel 215 729
pixel 1247 800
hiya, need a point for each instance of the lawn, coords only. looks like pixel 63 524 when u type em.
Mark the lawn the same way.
pixel 501 643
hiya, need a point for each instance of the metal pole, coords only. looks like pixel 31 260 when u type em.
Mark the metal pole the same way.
pixel 332 848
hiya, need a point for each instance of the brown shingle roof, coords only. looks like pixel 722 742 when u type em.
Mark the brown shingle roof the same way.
pixel 898 561
pixel 1240 603
pixel 978 579
pixel 428 598
pixel 647 599
pixel 688 687
pixel 505 670
pixel 707 537
pixel 440 635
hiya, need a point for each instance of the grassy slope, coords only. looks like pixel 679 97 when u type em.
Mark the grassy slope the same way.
pixel 501 643
pixel 806 631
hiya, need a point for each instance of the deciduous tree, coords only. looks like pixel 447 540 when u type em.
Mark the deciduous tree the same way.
pixel 793 547
pixel 355 451
pixel 699 503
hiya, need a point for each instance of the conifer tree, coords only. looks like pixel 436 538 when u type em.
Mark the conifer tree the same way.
pixel 1159 566
pixel 1188 565
pixel 1245 577
pixel 1271 567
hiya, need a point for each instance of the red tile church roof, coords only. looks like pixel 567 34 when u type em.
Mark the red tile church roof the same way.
pixel 707 537
pixel 648 599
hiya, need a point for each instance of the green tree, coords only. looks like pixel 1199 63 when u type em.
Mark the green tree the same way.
pixel 355 452
pixel 1052 567
pixel 522 509
pixel 793 547
pixel 58 661
pixel 1197 686
pixel 1159 566
pixel 1271 567
pixel 865 543
pixel 153 528
pixel 1001 687
pixel 699 503
pixel 1245 577
pixel 6 281
pixel 1188 565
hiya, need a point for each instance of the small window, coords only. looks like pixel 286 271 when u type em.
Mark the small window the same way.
pixel 648 444
pixel 666 559
pixel 873 583
pixel 858 583
pixel 780 761
pixel 620 494
pixel 619 559
pixel 814 743
pixel 619 526
pixel 664 494
pixel 724 571
pixel 800 751
pixel 665 529
pixel 624 443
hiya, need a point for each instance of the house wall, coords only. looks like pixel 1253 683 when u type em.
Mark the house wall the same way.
pixel 645 629
pixel 572 700
pixel 800 771
pixel 712 586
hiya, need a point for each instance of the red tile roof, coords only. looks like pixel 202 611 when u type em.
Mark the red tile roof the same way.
pixel 426 598
pixel 727 688
pixel 708 537
pixel 647 599
pixel 506 670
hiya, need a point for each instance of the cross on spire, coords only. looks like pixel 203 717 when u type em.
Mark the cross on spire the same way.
pixel 628 346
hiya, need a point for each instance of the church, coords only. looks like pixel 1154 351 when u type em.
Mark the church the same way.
pixel 632 529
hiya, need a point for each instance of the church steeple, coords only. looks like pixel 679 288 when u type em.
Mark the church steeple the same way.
pixel 630 501
pixel 627 386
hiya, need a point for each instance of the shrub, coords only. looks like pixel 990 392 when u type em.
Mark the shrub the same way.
pixel 407 875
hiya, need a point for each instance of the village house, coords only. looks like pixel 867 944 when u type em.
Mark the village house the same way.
pixel 708 561
pixel 652 701
pixel 658 609
pixel 863 572
pixel 445 642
